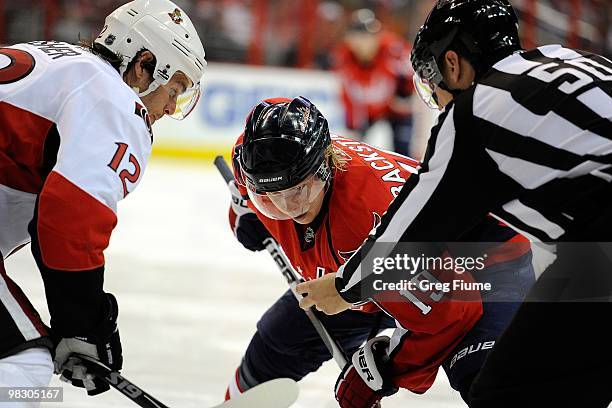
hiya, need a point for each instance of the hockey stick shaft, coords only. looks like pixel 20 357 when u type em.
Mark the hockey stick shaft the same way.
pixel 121 384
pixel 292 278
pixel 224 169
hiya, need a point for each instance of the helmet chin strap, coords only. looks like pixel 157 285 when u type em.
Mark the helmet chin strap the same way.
pixel 152 87
pixel 454 92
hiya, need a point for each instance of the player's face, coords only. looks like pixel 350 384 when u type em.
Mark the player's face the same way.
pixel 164 100
pixel 301 206
pixel 363 45
pixel 313 211
pixel 301 203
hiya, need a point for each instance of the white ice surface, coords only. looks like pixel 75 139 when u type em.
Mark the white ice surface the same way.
pixel 189 297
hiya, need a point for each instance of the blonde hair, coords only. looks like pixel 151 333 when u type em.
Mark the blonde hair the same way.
pixel 336 158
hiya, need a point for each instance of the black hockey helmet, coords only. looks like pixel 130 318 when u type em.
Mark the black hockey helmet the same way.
pixel 483 31
pixel 284 142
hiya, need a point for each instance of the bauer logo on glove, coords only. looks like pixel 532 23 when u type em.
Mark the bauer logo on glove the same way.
pixel 364 382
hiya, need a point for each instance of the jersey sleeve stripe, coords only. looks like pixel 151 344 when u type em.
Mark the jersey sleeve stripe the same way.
pixel 19 312
pixel 413 180
pixel 557 51
pixel 515 65
pixel 535 96
pixel 527 174
pixel 598 101
pixel 427 184
pixel 496 106
pixel 533 218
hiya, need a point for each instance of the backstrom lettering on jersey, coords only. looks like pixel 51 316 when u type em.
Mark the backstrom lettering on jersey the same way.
pixel 390 173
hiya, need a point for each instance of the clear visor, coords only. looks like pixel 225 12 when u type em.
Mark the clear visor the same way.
pixel 186 102
pixel 290 203
pixel 426 91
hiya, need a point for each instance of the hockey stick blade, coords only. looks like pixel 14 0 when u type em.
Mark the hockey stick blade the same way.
pixel 278 393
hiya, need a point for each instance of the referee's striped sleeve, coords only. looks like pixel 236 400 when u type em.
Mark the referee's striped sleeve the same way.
pixel 432 206
pixel 530 143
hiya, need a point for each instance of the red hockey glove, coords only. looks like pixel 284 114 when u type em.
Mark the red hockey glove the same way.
pixel 364 382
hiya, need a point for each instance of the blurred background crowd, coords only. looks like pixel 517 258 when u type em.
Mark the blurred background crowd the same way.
pixel 352 57
pixel 300 33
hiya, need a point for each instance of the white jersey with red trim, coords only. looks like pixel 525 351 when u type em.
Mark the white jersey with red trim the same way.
pixel 74 140
pixel 76 137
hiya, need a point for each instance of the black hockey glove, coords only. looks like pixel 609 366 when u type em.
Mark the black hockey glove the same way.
pixel 249 230
pixel 102 344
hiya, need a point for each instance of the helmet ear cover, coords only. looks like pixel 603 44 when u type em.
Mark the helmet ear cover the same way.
pixel 148 66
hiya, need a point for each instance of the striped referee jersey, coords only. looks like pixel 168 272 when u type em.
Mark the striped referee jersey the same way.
pixel 529 143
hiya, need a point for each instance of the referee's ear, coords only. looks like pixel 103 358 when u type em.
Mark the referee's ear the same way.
pixel 457 71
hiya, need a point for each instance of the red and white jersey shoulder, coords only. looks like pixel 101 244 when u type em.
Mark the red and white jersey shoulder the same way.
pixel 75 139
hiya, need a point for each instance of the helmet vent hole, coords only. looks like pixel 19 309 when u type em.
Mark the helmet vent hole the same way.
pixel 129 40
pixel 186 35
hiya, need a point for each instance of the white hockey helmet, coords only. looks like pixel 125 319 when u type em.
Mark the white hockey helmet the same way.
pixel 164 29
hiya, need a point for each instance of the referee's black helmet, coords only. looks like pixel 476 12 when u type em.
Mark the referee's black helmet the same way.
pixel 482 31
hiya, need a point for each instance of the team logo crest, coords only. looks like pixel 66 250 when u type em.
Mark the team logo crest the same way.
pixel 176 16
pixel 309 235
pixel 305 116
pixel 442 3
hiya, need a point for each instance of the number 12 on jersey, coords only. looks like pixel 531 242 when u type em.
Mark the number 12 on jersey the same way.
pixel 125 174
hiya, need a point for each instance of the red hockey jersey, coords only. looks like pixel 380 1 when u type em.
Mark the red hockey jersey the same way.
pixel 369 90
pixel 359 196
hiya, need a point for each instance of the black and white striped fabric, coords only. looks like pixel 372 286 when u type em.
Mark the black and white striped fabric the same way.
pixel 21 326
pixel 530 143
